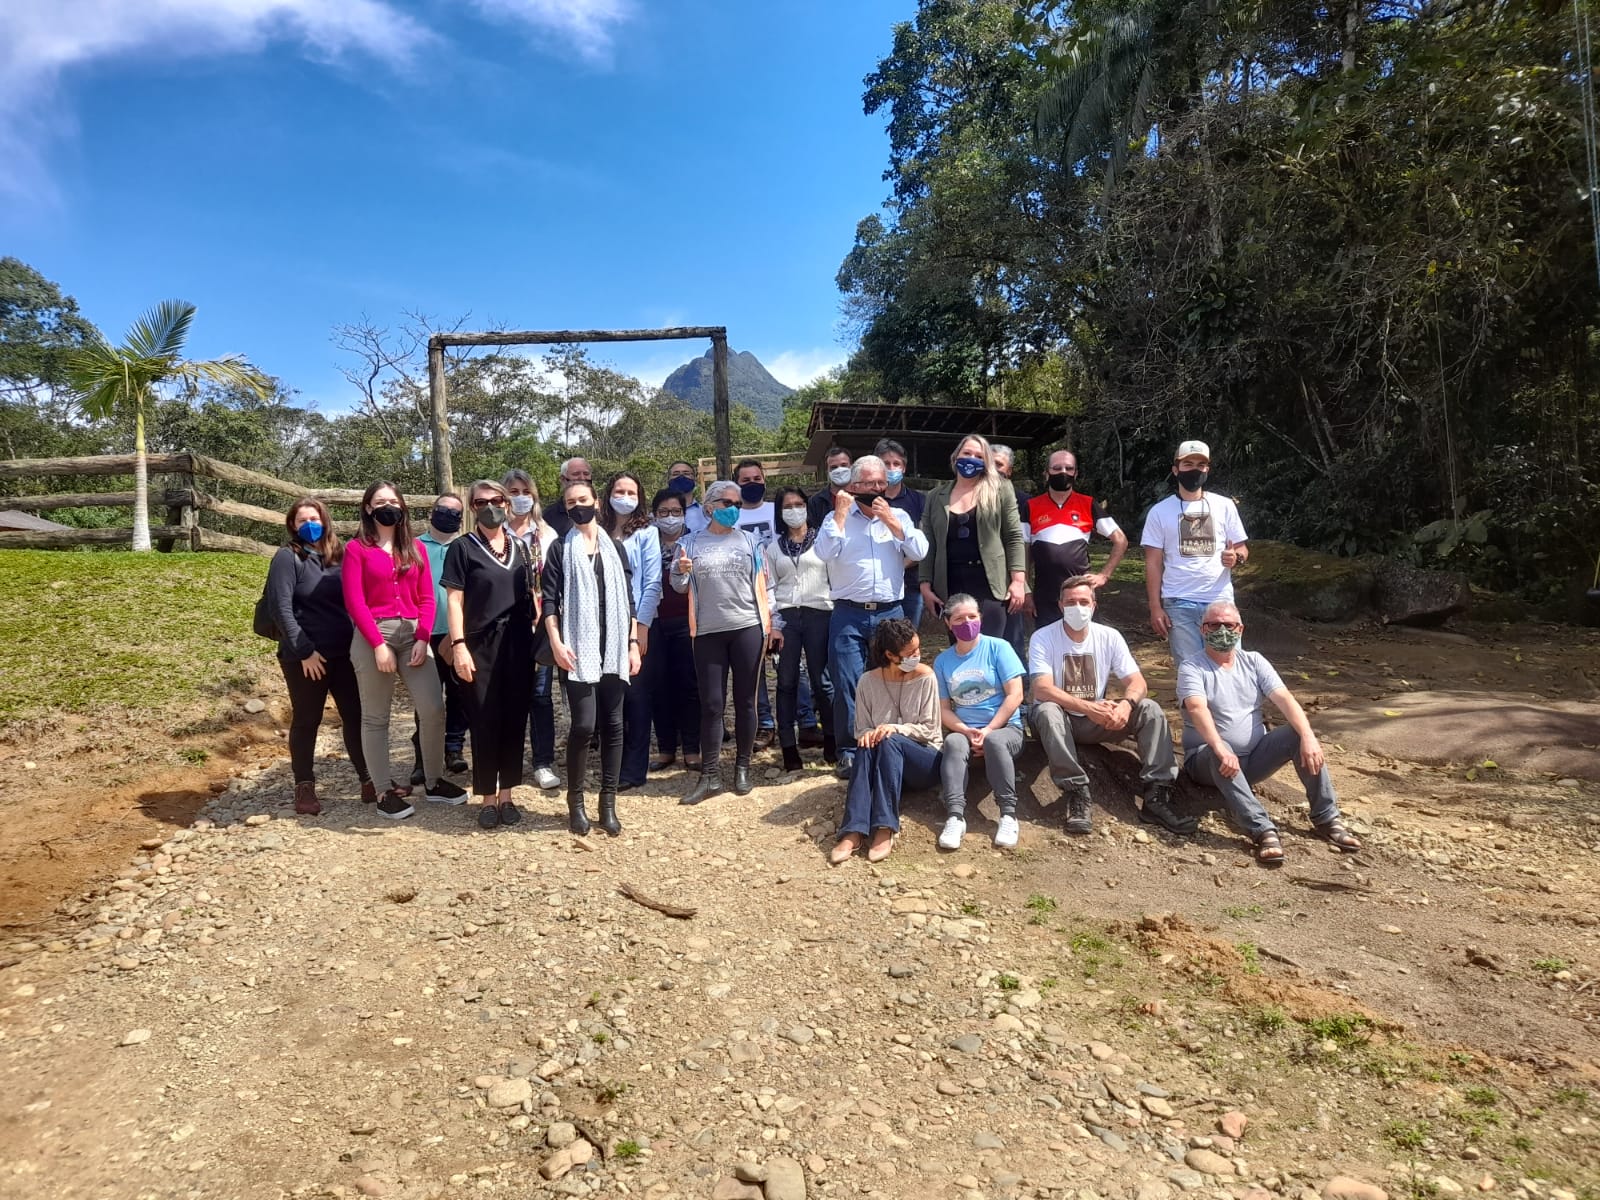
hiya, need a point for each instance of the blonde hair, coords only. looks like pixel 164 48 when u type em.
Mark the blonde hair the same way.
pixel 987 485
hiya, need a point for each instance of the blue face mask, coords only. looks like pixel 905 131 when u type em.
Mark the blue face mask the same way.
pixel 969 468
pixel 682 485
pixel 894 477
pixel 752 493
pixel 728 516
pixel 310 532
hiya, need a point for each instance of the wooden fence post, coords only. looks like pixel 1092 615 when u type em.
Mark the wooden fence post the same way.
pixel 181 510
pixel 438 403
pixel 719 405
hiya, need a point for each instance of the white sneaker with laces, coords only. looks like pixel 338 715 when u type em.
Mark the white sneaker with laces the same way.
pixel 1005 834
pixel 547 779
pixel 955 828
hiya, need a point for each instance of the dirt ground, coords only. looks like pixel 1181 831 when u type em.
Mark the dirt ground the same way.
pixel 344 1006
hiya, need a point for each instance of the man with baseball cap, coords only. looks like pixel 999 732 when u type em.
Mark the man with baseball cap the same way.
pixel 1192 541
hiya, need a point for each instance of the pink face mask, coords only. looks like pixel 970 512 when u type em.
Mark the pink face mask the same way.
pixel 966 631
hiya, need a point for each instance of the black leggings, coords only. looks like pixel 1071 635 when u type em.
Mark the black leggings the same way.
pixel 715 654
pixel 595 706
pixel 309 697
pixel 497 702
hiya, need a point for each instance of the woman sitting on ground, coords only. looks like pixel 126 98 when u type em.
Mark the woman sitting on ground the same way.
pixel 314 631
pixel 897 740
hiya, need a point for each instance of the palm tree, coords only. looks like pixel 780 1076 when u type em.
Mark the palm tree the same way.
pixel 107 380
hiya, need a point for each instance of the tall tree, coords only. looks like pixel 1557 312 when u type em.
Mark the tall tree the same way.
pixel 110 381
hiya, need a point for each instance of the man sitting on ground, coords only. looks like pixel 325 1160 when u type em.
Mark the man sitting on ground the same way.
pixel 1071 661
pixel 1226 744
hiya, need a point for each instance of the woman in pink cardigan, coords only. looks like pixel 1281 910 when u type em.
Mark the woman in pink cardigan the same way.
pixel 388 591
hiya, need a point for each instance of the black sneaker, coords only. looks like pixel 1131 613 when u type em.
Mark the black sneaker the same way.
pixel 1077 799
pixel 395 806
pixel 442 791
pixel 454 761
pixel 1157 810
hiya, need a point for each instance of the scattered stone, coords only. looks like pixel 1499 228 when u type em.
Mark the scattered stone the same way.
pixel 816 1164
pixel 800 1035
pixel 1006 1023
pixel 1189 1181
pixel 964 870
pixel 749 1172
pixel 1348 1187
pixel 1232 1124
pixel 1209 1162
pixel 1158 1107
pixel 135 1037
pixel 1486 1184
pixel 561 1134
pixel 1156 1189
pixel 984 1140
pixel 967 1043
pixel 901 970
pixel 786 1180
pixel 1113 1139
pixel 729 1188
pixel 254 705
pixel 1100 1052
pixel 949 1087
pixel 510 1093
pixel 1446 1186
pixel 368 1186
pixel 25 991
pixel 258 819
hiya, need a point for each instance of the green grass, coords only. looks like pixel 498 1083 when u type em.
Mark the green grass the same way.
pixel 1550 966
pixel 1269 1020
pixel 1040 903
pixel 144 633
pixel 1341 1030
pixel 1240 911
pixel 1251 956
pixel 627 1148
pixel 1008 983
pixel 1480 1097
pixel 1407 1135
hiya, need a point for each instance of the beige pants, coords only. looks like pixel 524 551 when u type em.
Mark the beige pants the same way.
pixel 377 698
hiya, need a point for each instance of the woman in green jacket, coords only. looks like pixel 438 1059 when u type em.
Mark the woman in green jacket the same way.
pixel 974 539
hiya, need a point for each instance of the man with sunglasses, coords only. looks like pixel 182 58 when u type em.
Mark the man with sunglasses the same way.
pixel 1192 541
pixel 1057 525
pixel 1226 744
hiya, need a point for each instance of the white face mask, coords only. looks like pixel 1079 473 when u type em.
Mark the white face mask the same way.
pixel 1077 616
pixel 671 526
pixel 794 517
pixel 839 476
pixel 623 505
pixel 522 505
pixel 910 663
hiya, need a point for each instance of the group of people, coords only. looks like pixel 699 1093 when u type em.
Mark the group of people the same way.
pixel 660 619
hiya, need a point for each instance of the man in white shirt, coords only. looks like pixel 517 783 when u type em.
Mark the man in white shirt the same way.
pixel 1192 542
pixel 867 545
pixel 1071 661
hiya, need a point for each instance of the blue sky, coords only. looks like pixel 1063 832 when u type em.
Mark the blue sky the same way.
pixel 287 165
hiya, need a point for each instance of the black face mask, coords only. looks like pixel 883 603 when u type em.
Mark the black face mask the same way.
pixel 446 520
pixel 581 514
pixel 1193 481
pixel 1061 481
pixel 492 516
pixel 867 499
pixel 386 516
pixel 752 493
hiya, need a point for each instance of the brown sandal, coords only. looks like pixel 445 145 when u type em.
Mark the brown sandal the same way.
pixel 1269 849
pixel 1340 838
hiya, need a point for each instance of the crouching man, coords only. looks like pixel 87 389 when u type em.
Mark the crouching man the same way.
pixel 1226 744
pixel 1071 661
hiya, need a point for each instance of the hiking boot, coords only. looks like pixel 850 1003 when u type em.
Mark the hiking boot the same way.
pixel 369 792
pixel 1078 823
pixel 394 806
pixel 1157 810
pixel 706 787
pixel 608 815
pixel 305 800
pixel 577 815
pixel 791 759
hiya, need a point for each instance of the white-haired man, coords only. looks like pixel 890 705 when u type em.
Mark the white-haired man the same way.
pixel 1226 744
pixel 573 470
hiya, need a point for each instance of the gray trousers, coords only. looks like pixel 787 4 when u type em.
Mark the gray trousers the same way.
pixel 1061 733
pixel 377 698
pixel 1000 750
pixel 1280 746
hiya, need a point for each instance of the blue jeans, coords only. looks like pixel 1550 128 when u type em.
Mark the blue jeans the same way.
pixel 849 638
pixel 913 603
pixel 1185 641
pixel 542 719
pixel 674 692
pixel 880 774
pixel 1281 745
pixel 805 631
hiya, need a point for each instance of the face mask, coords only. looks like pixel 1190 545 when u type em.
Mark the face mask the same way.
pixel 909 663
pixel 1061 482
pixel 1077 616
pixel 1193 481
pixel 794 517
pixel 895 477
pixel 671 526
pixel 492 516
pixel 446 520
pixel 623 505
pixel 387 516
pixel 752 493
pixel 867 499
pixel 522 505
pixel 728 516
pixel 1223 639
pixel 969 468
pixel 311 532
pixel 581 514
pixel 839 476
pixel 681 484
pixel 966 631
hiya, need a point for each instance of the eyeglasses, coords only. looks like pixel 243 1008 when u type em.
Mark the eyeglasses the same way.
pixel 485 501
pixel 1233 625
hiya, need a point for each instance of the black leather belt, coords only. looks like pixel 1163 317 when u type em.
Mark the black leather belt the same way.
pixel 870 605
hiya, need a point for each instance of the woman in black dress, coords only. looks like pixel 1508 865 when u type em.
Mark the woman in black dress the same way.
pixel 488 577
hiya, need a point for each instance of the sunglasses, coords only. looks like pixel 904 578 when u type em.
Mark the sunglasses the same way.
pixel 1221 625
pixel 485 501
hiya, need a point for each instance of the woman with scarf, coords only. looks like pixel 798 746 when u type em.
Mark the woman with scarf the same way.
pixel 975 544
pixel 722 570
pixel 624 517
pixel 800 590
pixel 489 578
pixel 594 641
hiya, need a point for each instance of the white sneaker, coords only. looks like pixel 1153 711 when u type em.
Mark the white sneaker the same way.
pixel 1005 835
pixel 955 828
pixel 547 779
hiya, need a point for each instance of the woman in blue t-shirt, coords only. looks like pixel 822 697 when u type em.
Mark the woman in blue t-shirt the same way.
pixel 980 691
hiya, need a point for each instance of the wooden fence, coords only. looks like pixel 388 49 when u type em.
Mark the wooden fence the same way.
pixel 184 502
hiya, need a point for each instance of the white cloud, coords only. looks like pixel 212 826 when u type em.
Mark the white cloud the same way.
pixel 40 42
pixel 586 25
pixel 799 367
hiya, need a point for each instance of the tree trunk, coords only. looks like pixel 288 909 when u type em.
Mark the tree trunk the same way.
pixel 141 485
